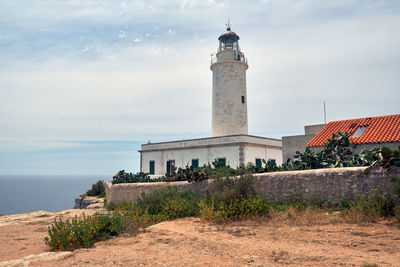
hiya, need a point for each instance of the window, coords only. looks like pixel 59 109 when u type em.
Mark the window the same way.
pixel 258 163
pixel 360 131
pixel 151 166
pixel 170 166
pixel 273 161
pixel 222 161
pixel 242 99
pixel 195 163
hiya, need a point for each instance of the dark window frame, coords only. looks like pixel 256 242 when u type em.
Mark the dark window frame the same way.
pixel 258 160
pixel 222 160
pixel 152 168
pixel 170 166
pixel 197 160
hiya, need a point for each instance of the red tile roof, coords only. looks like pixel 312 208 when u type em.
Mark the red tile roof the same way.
pixel 382 129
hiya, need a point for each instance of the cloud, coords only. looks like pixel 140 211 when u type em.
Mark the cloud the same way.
pixel 66 72
pixel 121 34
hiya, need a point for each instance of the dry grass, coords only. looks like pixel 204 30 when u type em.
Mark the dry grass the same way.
pixel 308 216
pixel 361 213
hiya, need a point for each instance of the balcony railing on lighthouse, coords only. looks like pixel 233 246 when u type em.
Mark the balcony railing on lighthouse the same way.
pixel 239 56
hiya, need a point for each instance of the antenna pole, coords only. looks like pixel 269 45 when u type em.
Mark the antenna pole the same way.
pixel 324 112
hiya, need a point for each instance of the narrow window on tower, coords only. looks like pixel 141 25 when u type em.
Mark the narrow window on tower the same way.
pixel 242 99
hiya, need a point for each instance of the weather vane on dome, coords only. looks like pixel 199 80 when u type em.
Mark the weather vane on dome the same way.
pixel 228 25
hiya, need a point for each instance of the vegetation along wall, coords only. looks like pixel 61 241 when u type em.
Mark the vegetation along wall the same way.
pixel 329 185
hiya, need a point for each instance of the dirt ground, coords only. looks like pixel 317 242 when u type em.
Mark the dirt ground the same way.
pixel 190 242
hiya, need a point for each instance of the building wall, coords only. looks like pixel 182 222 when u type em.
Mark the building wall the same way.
pixel 313 129
pixel 236 149
pixel 263 152
pixel 229 114
pixel 291 144
pixel 184 156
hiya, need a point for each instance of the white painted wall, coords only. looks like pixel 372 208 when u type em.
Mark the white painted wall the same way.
pixel 207 154
pixel 184 157
pixel 262 152
pixel 229 114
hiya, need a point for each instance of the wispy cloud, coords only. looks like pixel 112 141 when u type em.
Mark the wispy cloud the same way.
pixel 92 71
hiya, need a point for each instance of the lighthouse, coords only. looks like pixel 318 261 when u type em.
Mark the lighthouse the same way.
pixel 230 143
pixel 229 98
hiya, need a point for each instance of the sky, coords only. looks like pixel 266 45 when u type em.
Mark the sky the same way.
pixel 84 83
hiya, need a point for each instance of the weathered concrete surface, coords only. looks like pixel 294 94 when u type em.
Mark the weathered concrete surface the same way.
pixel 322 185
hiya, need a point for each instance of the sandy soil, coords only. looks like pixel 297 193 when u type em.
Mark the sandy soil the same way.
pixel 190 242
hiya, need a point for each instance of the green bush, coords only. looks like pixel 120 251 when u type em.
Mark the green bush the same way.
pixel 84 232
pixel 140 177
pixel 169 202
pixel 232 198
pixel 242 208
pixel 227 189
pixel 97 189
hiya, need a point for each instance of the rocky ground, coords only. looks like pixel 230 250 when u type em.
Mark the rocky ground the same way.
pixel 190 242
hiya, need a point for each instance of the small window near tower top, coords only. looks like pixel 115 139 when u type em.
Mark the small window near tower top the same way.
pixel 242 99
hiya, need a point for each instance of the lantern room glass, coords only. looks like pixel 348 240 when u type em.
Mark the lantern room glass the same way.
pixel 228 44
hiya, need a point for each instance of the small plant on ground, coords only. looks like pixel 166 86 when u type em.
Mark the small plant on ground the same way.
pixel 84 232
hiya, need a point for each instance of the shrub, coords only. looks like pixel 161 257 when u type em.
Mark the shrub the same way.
pixel 237 209
pixel 84 232
pixel 102 194
pixel 227 189
pixel 169 202
pixel 231 198
pixel 140 177
pixel 97 189
pixel 369 209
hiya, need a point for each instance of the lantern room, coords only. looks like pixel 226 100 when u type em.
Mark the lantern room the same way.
pixel 229 40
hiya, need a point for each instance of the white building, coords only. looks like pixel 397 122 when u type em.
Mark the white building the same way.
pixel 230 143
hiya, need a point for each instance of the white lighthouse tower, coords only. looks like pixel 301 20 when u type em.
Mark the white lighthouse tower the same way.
pixel 230 143
pixel 229 99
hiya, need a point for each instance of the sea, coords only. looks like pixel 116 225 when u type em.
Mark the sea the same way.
pixel 28 193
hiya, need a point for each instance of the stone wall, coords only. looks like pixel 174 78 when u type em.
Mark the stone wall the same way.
pixel 322 185
pixel 326 185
